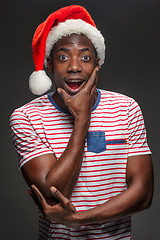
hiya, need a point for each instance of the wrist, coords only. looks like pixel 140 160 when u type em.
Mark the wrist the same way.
pixel 86 217
pixel 79 218
pixel 82 121
pixel 81 126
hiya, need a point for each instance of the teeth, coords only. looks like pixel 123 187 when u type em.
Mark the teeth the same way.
pixel 75 80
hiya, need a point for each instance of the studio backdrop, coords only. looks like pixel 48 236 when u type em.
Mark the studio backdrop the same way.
pixel 132 67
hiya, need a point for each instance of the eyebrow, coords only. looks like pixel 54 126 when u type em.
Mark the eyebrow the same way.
pixel 63 49
pixel 81 50
pixel 85 49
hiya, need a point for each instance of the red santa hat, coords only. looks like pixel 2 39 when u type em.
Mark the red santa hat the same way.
pixel 64 22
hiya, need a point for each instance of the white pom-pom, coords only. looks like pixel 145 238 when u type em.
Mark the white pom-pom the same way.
pixel 39 82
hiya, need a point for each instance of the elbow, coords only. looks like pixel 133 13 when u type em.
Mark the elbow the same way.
pixel 143 196
pixel 148 200
pixel 149 194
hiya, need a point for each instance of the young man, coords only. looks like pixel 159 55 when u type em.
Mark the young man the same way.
pixel 82 150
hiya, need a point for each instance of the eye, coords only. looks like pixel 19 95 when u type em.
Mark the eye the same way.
pixel 63 57
pixel 86 58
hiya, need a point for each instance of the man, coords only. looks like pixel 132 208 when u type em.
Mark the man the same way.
pixel 83 151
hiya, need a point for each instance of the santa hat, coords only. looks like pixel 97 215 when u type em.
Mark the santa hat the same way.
pixel 64 22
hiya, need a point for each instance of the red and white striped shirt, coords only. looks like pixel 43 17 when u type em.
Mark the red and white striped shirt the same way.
pixel 116 131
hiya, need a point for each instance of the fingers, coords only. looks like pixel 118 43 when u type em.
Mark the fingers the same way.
pixel 58 195
pixel 95 85
pixel 65 96
pixel 63 200
pixel 40 197
pixel 92 82
pixel 63 93
pixel 35 199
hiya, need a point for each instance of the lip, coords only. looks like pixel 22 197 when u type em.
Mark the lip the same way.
pixel 74 77
pixel 71 90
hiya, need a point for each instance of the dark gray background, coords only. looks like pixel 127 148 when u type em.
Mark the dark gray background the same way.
pixel 131 29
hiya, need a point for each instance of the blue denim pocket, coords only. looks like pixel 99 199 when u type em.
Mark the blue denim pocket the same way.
pixel 96 141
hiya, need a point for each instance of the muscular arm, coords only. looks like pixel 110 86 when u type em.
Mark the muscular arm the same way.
pixel 45 171
pixel 136 197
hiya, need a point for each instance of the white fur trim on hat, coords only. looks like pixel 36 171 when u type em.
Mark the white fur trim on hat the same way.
pixel 79 27
pixel 39 82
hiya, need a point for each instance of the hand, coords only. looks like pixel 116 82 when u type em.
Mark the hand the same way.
pixel 63 212
pixel 80 104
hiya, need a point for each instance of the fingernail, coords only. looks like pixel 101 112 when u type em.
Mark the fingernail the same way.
pixel 32 187
pixel 59 91
pixel 53 189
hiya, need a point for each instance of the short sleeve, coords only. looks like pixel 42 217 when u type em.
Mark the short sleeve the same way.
pixel 25 139
pixel 137 132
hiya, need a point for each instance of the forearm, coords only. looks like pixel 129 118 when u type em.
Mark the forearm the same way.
pixel 64 173
pixel 134 199
pixel 125 204
pixel 138 196
pixel 45 171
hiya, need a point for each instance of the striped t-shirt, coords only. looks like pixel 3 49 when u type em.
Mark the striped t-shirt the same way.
pixel 116 131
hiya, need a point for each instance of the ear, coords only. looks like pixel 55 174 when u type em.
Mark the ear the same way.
pixel 97 62
pixel 50 64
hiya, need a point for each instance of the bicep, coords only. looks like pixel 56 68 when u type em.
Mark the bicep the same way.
pixel 140 176
pixel 36 170
pixel 36 157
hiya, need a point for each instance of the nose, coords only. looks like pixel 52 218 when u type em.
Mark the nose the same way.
pixel 74 65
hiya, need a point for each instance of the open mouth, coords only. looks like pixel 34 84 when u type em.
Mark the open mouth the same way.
pixel 74 84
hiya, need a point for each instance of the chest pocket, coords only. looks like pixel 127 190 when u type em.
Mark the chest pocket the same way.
pixel 96 141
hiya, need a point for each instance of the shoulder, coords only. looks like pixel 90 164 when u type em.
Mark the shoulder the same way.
pixel 31 112
pixel 114 96
pixel 35 106
pixel 117 99
pixel 119 102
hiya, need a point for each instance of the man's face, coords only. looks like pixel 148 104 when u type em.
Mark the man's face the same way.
pixel 72 62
